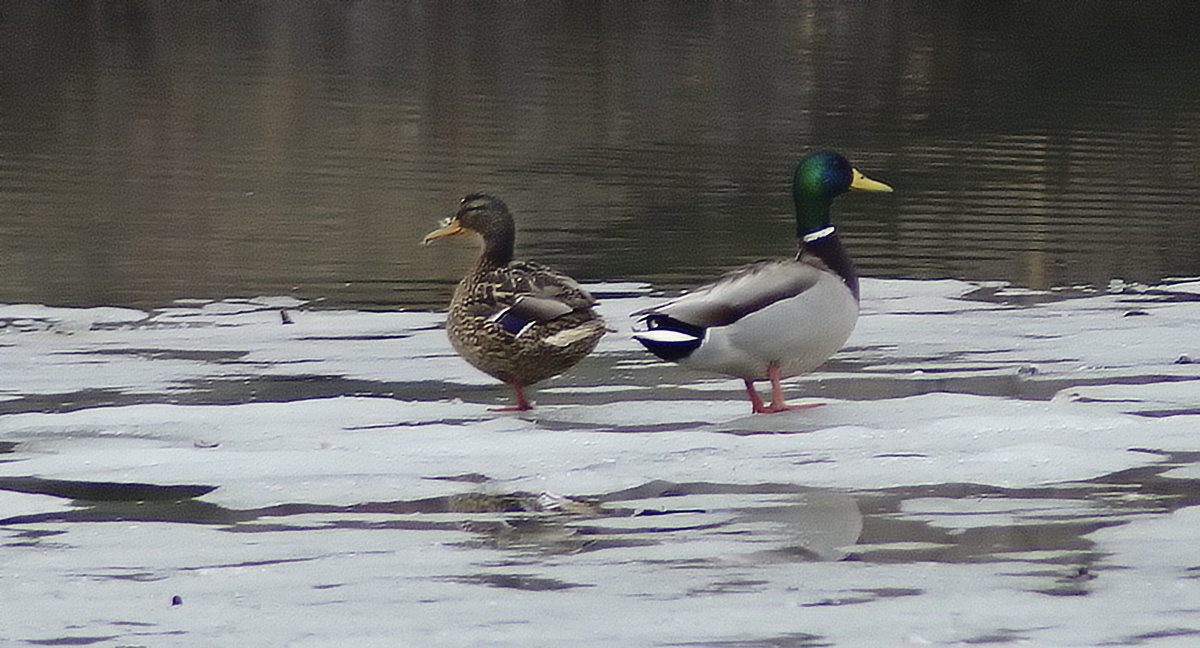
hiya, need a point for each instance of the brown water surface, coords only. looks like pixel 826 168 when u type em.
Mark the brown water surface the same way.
pixel 156 151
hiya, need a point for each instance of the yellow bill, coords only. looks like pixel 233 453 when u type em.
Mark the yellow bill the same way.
pixel 863 183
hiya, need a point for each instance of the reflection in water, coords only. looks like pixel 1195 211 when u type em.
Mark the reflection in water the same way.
pixel 155 151
pixel 1040 533
pixel 943 523
pixel 806 524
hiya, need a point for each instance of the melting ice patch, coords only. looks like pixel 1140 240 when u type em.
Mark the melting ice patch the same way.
pixel 942 380
pixel 976 443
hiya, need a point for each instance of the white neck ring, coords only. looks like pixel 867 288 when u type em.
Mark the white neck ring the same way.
pixel 818 235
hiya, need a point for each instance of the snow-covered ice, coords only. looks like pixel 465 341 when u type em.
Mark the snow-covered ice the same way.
pixel 989 465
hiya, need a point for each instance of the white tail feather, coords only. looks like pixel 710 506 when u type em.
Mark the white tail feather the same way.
pixel 665 336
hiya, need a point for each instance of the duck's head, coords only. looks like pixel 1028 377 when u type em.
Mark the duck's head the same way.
pixel 481 214
pixel 486 216
pixel 821 177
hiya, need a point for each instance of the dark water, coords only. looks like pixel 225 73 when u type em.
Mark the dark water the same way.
pixel 153 151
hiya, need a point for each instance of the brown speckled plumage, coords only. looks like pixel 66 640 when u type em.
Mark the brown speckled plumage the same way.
pixel 517 321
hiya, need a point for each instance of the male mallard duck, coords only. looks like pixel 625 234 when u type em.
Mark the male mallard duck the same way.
pixel 776 318
pixel 517 321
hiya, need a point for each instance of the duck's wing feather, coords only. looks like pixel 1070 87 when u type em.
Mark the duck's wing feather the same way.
pixel 525 292
pixel 739 293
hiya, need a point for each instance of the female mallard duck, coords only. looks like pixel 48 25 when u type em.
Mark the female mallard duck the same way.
pixel 517 321
pixel 777 318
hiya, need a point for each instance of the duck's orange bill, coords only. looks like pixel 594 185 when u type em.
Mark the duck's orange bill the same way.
pixel 449 227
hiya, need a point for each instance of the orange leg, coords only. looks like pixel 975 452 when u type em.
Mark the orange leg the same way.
pixel 777 401
pixel 522 404
pixel 755 402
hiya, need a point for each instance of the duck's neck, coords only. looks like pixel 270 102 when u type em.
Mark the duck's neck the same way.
pixel 818 238
pixel 812 210
pixel 497 250
pixel 825 245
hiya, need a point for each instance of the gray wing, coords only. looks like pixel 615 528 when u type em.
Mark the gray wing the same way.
pixel 739 293
pixel 530 291
pixel 539 309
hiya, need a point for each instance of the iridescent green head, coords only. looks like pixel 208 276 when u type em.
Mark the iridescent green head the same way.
pixel 821 177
